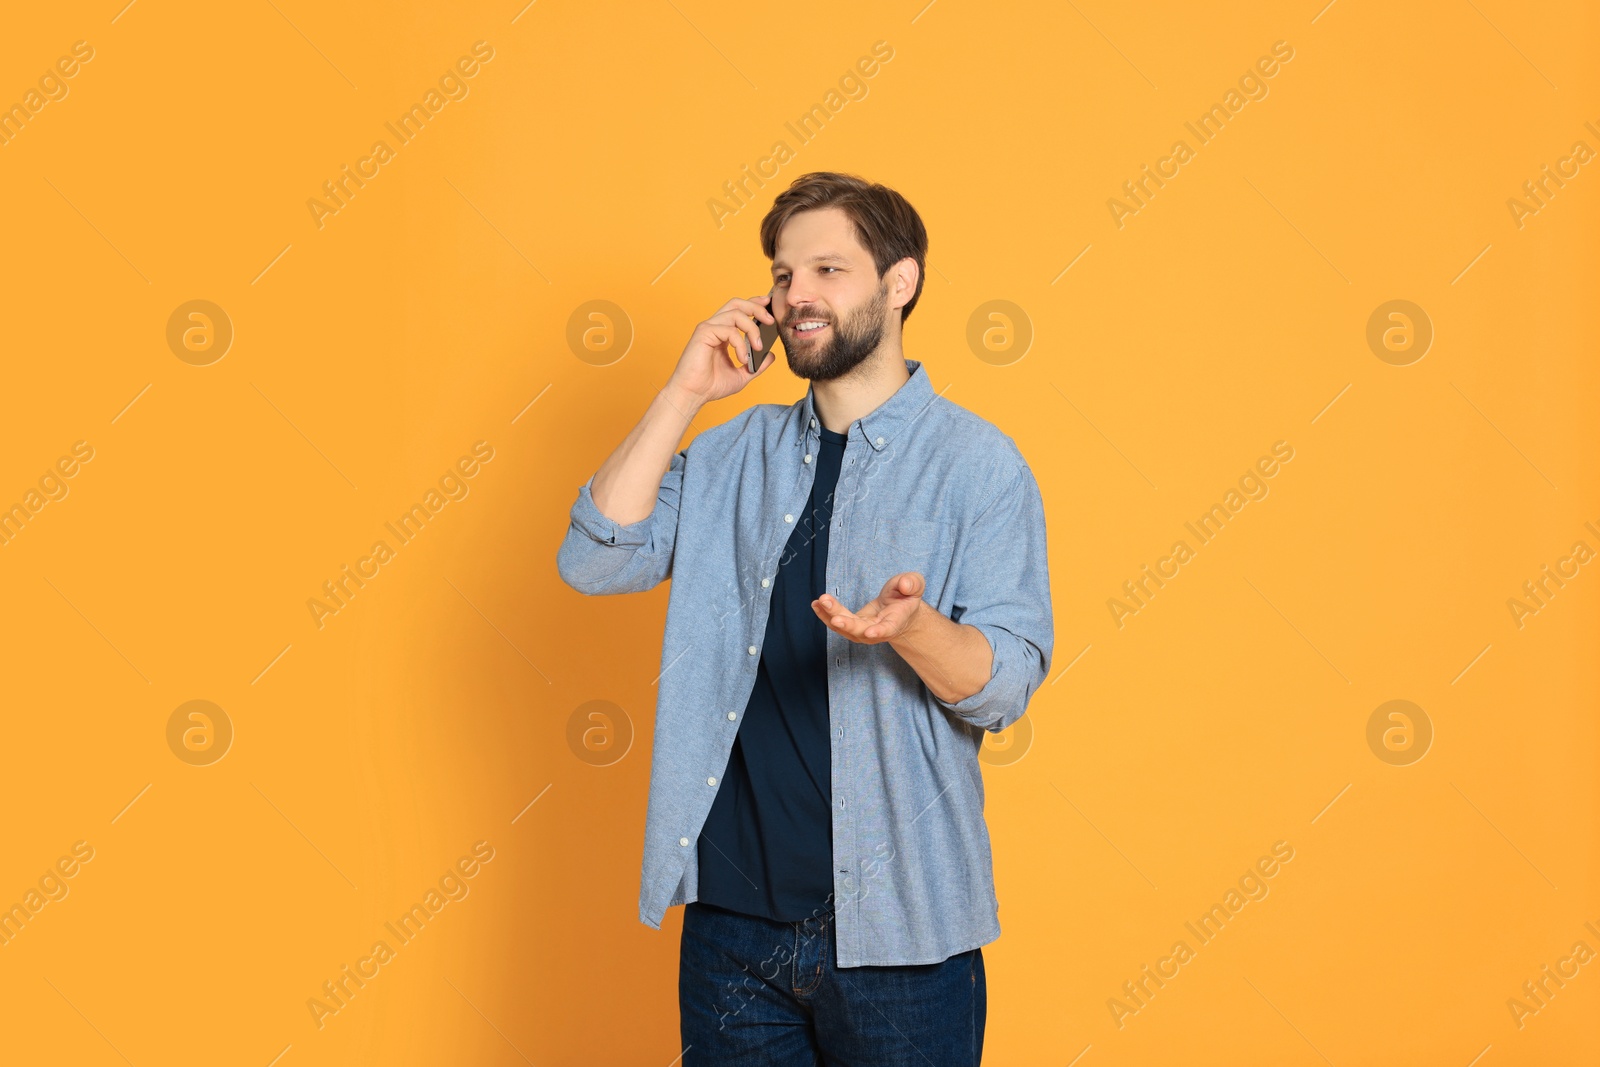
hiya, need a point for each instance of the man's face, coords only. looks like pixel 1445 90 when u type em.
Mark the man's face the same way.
pixel 822 274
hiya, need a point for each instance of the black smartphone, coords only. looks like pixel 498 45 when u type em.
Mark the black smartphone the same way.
pixel 769 337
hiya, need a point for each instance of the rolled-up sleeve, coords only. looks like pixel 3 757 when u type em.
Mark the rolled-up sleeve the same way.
pixel 599 556
pixel 1003 590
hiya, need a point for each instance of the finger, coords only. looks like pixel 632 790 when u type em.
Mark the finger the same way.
pixel 866 615
pixel 744 324
pixel 905 585
pixel 725 336
pixel 824 615
pixel 833 607
pixel 825 612
pixel 748 324
pixel 831 611
pixel 756 307
pixel 848 625
pixel 837 617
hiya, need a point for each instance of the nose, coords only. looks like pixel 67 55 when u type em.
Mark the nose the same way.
pixel 797 299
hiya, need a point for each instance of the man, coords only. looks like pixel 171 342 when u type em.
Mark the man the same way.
pixel 859 590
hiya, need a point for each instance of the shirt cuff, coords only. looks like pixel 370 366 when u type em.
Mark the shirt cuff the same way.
pixel 589 519
pixel 976 708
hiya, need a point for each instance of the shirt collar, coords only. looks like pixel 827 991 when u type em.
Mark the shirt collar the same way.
pixel 879 426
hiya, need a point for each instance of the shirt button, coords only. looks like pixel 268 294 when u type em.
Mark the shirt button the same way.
pixel 711 781
pixel 752 650
pixel 788 518
pixel 733 715
pixel 807 459
pixel 813 422
pixel 683 840
pixel 880 440
pixel 765 582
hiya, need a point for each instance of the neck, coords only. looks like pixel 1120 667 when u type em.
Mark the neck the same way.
pixel 839 402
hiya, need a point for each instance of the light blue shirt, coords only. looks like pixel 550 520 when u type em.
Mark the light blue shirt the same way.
pixel 926 486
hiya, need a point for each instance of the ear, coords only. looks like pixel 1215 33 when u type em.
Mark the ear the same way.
pixel 902 282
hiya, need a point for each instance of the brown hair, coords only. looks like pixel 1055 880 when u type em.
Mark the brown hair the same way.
pixel 885 222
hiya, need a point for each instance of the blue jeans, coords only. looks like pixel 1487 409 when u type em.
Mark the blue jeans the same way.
pixel 757 993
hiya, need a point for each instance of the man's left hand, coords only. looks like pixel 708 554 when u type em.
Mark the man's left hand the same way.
pixel 888 618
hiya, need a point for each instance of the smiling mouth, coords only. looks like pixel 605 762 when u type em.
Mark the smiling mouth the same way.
pixel 807 333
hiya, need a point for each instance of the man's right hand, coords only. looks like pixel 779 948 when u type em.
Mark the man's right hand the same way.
pixel 706 371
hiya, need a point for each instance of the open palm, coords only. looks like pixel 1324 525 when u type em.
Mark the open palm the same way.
pixel 877 621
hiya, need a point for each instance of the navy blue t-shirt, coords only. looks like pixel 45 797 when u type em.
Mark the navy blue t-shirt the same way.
pixel 767 846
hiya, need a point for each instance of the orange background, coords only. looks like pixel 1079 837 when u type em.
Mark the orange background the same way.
pixel 433 710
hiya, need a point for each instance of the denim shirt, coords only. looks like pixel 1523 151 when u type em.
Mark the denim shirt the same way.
pixel 927 486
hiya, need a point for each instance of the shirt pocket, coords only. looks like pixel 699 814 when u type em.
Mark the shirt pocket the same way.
pixel 926 546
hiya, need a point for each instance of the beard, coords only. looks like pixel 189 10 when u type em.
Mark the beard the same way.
pixel 848 346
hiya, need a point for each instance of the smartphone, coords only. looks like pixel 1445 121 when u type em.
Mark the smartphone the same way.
pixel 769 336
